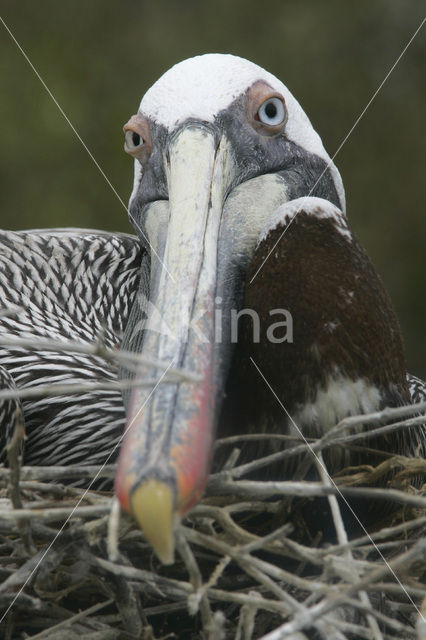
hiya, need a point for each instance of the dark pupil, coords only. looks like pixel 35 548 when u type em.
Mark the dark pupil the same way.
pixel 136 139
pixel 271 110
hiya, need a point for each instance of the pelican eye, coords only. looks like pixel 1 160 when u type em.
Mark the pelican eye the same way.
pixel 133 140
pixel 272 112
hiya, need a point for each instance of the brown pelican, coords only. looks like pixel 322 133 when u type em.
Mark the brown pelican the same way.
pixel 222 148
pixel 236 204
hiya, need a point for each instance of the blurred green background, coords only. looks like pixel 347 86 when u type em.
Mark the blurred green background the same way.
pixel 99 57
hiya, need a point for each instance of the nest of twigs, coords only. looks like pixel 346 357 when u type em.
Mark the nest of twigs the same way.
pixel 250 560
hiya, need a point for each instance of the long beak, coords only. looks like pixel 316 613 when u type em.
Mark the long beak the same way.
pixel 167 448
pixel 202 239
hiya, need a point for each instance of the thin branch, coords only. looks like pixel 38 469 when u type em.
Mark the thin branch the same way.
pixel 55 473
pixel 69 389
pixel 14 449
pixel 126 358
pixel 75 618
pixel 54 514
pixel 305 489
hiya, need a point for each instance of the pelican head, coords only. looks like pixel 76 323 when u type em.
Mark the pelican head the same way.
pixel 219 144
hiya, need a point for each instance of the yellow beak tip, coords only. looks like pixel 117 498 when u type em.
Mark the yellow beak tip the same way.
pixel 152 507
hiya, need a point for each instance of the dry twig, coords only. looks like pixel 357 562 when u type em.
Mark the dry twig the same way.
pixel 251 565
